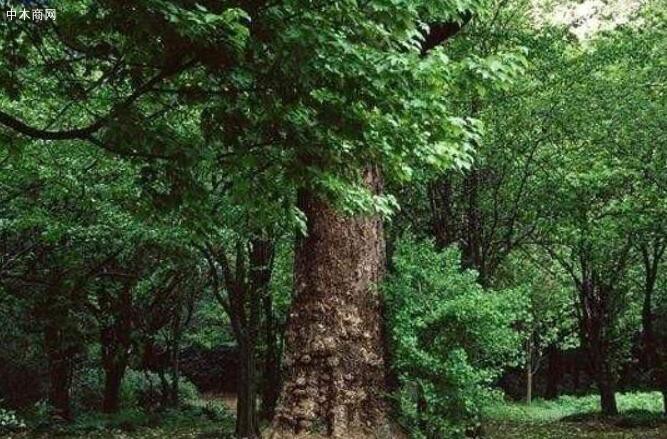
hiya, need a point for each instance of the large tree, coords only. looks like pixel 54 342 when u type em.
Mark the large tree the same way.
pixel 325 101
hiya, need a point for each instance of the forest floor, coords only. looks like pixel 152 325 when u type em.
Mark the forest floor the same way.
pixel 205 418
pixel 568 417
pixel 641 417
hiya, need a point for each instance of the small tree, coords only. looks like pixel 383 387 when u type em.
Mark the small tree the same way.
pixel 450 339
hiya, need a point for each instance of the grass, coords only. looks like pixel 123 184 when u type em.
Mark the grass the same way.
pixel 565 406
pixel 641 416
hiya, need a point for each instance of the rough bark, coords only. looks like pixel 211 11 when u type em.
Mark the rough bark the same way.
pixel 334 381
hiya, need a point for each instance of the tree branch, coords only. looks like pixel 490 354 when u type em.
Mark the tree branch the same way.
pixel 86 132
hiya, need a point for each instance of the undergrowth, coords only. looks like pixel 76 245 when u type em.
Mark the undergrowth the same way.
pixel 636 409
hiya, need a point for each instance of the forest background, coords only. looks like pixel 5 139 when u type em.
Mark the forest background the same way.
pixel 379 218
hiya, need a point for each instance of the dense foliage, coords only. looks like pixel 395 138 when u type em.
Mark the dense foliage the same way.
pixel 451 339
pixel 162 164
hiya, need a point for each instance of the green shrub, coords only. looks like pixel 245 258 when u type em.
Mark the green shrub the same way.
pixel 451 339
pixel 145 389
pixel 87 389
pixel 42 415
pixel 125 420
pixel 139 389
pixel 208 416
pixel 10 422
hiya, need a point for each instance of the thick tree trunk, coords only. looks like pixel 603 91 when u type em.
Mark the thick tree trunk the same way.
pixel 335 372
pixel 607 396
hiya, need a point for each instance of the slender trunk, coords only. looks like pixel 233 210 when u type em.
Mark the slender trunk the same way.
pixel 246 410
pixel 148 360
pixel 60 372
pixel 442 211
pixel 165 388
pixel 608 396
pixel 271 373
pixel 529 371
pixel 664 400
pixel 261 259
pixel 594 333
pixel 243 307
pixel 651 257
pixel 648 336
pixel 422 409
pixel 113 378
pixel 471 247
pixel 115 341
pixel 174 398
pixel 334 383
pixel 175 384
pixel 606 383
pixel 114 362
